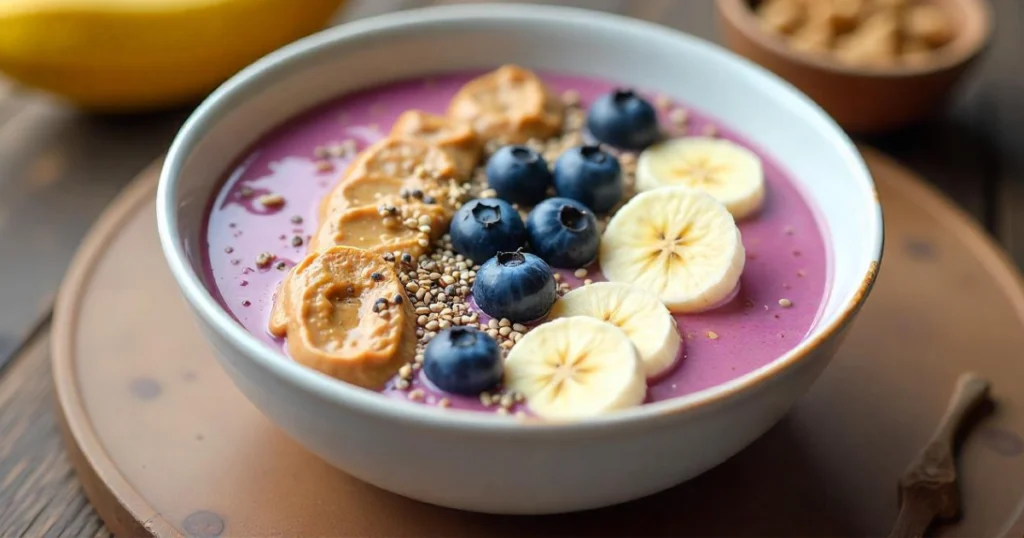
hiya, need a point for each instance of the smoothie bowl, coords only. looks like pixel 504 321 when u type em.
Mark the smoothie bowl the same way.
pixel 518 259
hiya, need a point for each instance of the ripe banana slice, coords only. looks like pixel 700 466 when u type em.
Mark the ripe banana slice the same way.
pixel 638 312
pixel 677 242
pixel 725 170
pixel 576 367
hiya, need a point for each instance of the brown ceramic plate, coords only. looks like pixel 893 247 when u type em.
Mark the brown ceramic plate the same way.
pixel 166 445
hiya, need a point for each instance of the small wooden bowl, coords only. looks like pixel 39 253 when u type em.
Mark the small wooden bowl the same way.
pixel 864 99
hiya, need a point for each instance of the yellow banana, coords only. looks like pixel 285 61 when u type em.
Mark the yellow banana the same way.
pixel 123 55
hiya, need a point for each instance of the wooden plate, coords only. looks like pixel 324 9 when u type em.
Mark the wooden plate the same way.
pixel 165 444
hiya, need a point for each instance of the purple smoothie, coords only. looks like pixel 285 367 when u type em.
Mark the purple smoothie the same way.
pixel 787 257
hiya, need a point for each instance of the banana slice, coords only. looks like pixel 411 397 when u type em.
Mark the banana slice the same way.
pixel 677 242
pixel 638 312
pixel 723 169
pixel 576 367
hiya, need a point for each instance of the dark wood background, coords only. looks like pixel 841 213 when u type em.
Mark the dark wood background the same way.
pixel 59 168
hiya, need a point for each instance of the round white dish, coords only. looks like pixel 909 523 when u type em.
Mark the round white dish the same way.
pixel 484 462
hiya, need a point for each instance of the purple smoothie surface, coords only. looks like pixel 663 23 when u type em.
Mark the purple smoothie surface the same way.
pixel 787 256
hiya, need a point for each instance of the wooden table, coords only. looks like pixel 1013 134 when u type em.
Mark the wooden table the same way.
pixel 61 168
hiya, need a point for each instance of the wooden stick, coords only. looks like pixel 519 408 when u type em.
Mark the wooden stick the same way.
pixel 928 488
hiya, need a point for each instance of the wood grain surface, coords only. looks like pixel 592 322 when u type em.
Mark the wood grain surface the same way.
pixel 61 167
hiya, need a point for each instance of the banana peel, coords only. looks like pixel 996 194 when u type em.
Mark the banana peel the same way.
pixel 131 55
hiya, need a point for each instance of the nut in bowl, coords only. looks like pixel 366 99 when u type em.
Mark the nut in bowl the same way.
pixel 874 65
pixel 731 270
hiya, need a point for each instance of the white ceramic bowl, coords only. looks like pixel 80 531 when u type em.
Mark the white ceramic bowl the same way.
pixel 485 462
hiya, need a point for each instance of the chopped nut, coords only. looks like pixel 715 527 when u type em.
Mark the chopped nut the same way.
pixel 662 101
pixel 928 23
pixel 417 395
pixel 712 335
pixel 580 273
pixel 271 200
pixel 785 303
pixel 679 116
pixel 264 259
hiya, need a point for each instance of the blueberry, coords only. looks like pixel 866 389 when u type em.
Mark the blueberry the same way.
pixel 482 228
pixel 589 175
pixel 518 174
pixel 564 233
pixel 515 285
pixel 463 360
pixel 623 119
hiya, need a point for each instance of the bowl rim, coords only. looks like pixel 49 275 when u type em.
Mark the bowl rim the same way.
pixel 740 15
pixel 212 314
